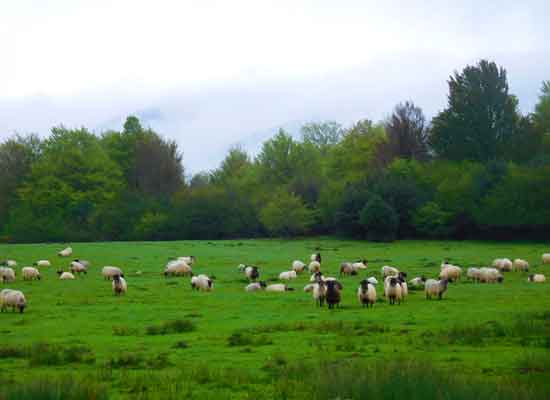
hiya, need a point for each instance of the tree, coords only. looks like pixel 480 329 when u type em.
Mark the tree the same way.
pixel 234 166
pixel 286 215
pixel 379 220
pixel 277 159
pixel 322 134
pixel 481 116
pixel 407 133
pixel 542 109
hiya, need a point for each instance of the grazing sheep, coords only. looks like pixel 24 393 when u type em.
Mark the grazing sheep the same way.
pixel 9 263
pixel 278 287
pixel 119 285
pixel 86 263
pixel 314 266
pixel 30 273
pixel 546 258
pixel 298 266
pixel 521 265
pixel 490 275
pixel 251 271
pixel 7 275
pixel 503 264
pixel 346 268
pixel 473 274
pixel 394 291
pixel 78 268
pixel 202 282
pixel 110 272
pixel 450 272
pixel 319 293
pixel 189 260
pixel 536 278
pixel 42 263
pixel 65 276
pixel 177 268
pixel 366 293
pixel 316 257
pixel 255 286
pixel 361 264
pixel 389 271
pixel 333 294
pixel 287 275
pixel 65 252
pixel 14 299
pixel 418 282
pixel 435 288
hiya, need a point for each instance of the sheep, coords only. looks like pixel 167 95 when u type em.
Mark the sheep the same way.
pixel 473 274
pixel 177 268
pixel 202 282
pixel 546 258
pixel 316 257
pixel 536 278
pixel 109 272
pixel 503 264
pixel 318 276
pixel 490 275
pixel 30 273
pixel 278 287
pixel 333 294
pixel 435 288
pixel 360 264
pixel 255 286
pixel 417 282
pixel 404 287
pixel 314 266
pixel 298 266
pixel 366 293
pixel 86 263
pixel 394 291
pixel 9 263
pixel 78 268
pixel 251 271
pixel 450 272
pixel 65 252
pixel 189 260
pixel 372 280
pixel 65 276
pixel 389 271
pixel 287 275
pixel 7 274
pixel 521 265
pixel 14 299
pixel 119 285
pixel 319 293
pixel 346 268
pixel 309 287
pixel 42 263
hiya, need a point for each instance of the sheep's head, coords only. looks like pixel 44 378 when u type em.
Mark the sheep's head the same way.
pixel 21 307
pixel 59 271
pixel 364 284
pixel 530 278
pixel 423 278
pixel 263 284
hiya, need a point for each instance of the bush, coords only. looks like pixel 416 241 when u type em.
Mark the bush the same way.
pixel 432 221
pixel 170 327
pixel 379 220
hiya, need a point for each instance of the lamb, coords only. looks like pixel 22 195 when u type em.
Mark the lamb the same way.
pixel 255 286
pixel 473 274
pixel 389 271
pixel 394 290
pixel 14 299
pixel 417 282
pixel 78 268
pixel 314 266
pixel 333 294
pixel 316 257
pixel 65 252
pixel 30 273
pixel 42 263
pixel 65 276
pixel 450 272
pixel 546 258
pixel 503 264
pixel 202 282
pixel 177 268
pixel 278 287
pixel 251 271
pixel 189 260
pixel 287 275
pixel 110 272
pixel 536 278
pixel 7 274
pixel 366 293
pixel 319 293
pixel 298 266
pixel 521 265
pixel 119 285
pixel 435 288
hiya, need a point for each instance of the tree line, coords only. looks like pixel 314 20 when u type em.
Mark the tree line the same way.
pixel 479 168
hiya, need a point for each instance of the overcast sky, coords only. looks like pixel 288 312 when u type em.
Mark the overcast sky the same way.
pixel 211 74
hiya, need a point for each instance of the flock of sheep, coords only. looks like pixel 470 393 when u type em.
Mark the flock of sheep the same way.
pixel 324 289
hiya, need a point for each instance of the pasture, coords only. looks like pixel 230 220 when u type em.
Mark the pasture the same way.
pixel 162 340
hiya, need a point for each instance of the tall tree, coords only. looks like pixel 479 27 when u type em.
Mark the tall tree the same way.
pixel 542 109
pixel 407 133
pixel 277 160
pixel 322 134
pixel 481 116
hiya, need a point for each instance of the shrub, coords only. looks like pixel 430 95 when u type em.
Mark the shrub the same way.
pixel 170 327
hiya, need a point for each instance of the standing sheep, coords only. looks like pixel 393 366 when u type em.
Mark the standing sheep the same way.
pixel 333 294
pixel 546 258
pixel 394 291
pixel 298 266
pixel 119 285
pixel 86 263
pixel 316 257
pixel 109 272
pixel 65 252
pixel 503 264
pixel 251 271
pixel 9 263
pixel 189 260
pixel 30 273
pixel 287 275
pixel 177 268
pixel 536 278
pixel 450 272
pixel 473 274
pixel 366 293
pixel 521 265
pixel 78 268
pixel 14 299
pixel 346 268
pixel 7 275
pixel 314 266
pixel 435 288
pixel 361 264
pixel 319 293
pixel 202 282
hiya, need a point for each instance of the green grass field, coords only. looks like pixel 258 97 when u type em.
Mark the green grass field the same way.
pixel 161 340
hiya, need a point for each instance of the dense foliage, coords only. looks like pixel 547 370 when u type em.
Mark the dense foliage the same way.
pixel 479 169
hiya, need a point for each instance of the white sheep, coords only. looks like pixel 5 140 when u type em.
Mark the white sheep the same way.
pixel 473 274
pixel 490 275
pixel 309 287
pixel 78 268
pixel 450 272
pixel 255 286
pixel 372 280
pixel 202 282
pixel 10 263
pixel 177 268
pixel 521 265
pixel 189 260
pixel 386 271
pixel 119 285
pixel 65 252
pixel 315 257
pixel 537 278
pixel 394 291
pixel 361 264
pixel 298 266
pixel 503 264
pixel 346 268
pixel 42 263
pixel 278 287
pixel 433 287
pixel 109 272
pixel 404 288
pixel 287 275
pixel 30 273
pixel 65 276
pixel 252 272
pixel 418 282
pixel 14 299
pixel 319 293
pixel 314 266
pixel 366 293
pixel 7 274
pixel 86 263
pixel 546 258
